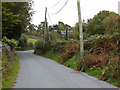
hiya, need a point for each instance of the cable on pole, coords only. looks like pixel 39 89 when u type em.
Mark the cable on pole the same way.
pixel 50 18
pixel 60 9
pixel 55 4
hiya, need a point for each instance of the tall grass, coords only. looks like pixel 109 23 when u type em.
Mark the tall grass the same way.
pixel 10 67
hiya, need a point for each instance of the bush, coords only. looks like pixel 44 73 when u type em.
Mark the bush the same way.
pixel 103 51
pixel 47 46
pixel 12 43
pixel 39 46
pixel 22 41
pixel 10 67
pixel 112 68
pixel 95 61
pixel 30 45
pixel 59 46
pixel 100 40
pixel 70 49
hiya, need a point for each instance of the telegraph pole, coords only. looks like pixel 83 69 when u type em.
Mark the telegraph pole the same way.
pixel 119 32
pixel 80 30
pixel 45 27
pixel 48 31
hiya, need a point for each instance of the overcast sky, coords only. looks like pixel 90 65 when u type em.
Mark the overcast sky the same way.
pixel 69 14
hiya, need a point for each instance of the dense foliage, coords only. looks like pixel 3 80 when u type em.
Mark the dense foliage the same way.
pixel 95 26
pixel 10 66
pixel 12 43
pixel 15 18
pixel 24 43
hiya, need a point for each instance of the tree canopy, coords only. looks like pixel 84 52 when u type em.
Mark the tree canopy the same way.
pixel 111 24
pixel 16 17
pixel 95 25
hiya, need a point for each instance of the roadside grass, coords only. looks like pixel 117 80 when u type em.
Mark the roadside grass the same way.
pixel 113 81
pixel 0 74
pixel 72 63
pixel 98 72
pixel 51 55
pixel 10 71
pixel 31 40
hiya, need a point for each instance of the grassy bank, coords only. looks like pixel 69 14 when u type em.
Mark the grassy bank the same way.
pixel 27 44
pixel 0 73
pixel 73 64
pixel 31 40
pixel 101 56
pixel 98 73
pixel 10 67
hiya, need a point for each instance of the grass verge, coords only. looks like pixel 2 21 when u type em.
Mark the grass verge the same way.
pixel 32 40
pixel 10 70
pixel 98 72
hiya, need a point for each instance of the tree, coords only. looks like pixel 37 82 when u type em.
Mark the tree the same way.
pixel 76 30
pixel 56 27
pixel 39 28
pixel 32 28
pixel 16 17
pixel 51 28
pixel 9 19
pixel 95 25
pixel 111 24
pixel 67 28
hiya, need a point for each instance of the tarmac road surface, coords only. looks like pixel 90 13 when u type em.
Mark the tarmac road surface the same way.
pixel 40 72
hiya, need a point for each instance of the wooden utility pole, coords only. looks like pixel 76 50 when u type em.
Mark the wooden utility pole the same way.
pixel 119 39
pixel 119 32
pixel 45 26
pixel 48 31
pixel 80 30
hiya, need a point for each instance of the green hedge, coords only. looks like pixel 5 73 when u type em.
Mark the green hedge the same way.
pixel 97 39
pixel 10 67
pixel 12 43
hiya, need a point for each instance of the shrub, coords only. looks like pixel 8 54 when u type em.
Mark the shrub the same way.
pixel 30 45
pixel 47 46
pixel 100 39
pixel 39 46
pixel 59 46
pixel 70 49
pixel 103 52
pixel 12 43
pixel 112 68
pixel 10 67
pixel 95 61
pixel 22 41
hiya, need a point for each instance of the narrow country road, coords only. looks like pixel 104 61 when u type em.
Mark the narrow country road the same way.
pixel 39 72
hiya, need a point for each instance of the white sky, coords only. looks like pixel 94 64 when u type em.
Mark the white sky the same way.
pixel 69 14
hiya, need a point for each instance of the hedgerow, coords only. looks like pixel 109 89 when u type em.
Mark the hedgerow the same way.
pixel 101 55
pixel 10 66
pixel 12 43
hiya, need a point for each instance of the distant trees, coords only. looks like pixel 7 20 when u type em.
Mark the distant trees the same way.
pixel 105 22
pixel 76 30
pixel 32 28
pixel 111 24
pixel 95 25
pixel 16 17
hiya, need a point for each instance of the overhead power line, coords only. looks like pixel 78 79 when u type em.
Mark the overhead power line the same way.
pixel 61 8
pixel 55 4
pixel 50 18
